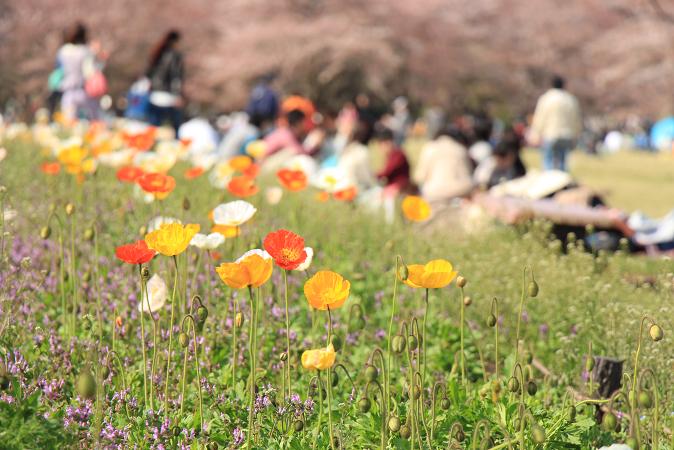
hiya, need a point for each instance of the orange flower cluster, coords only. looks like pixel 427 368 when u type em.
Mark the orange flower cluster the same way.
pixel 158 184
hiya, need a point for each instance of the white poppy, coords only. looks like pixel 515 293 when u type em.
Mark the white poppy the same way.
pixel 307 262
pixel 207 242
pixel 273 195
pixel 233 214
pixel 156 294
pixel 330 179
pixel 9 215
pixel 255 251
pixel 117 158
pixel 158 221
pixel 221 174
pixel 617 447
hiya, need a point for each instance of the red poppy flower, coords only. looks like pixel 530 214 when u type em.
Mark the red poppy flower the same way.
pixel 322 196
pixel 50 168
pixel 140 141
pixel 136 253
pixel 286 247
pixel 346 195
pixel 157 183
pixel 293 180
pixel 251 171
pixel 129 174
pixel 194 172
pixel 242 186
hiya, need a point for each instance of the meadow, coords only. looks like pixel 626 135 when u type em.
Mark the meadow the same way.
pixel 395 336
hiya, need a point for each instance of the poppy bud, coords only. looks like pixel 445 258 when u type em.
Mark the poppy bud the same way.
pixel 403 272
pixel 334 379
pixel 118 321
pixel 186 204
pixel 394 424
pixel 398 344
pixel 445 403
pixel 656 333
pixel 45 232
pixel 538 434
pixel 202 313
pixel 52 208
pixel 4 376
pixel 86 385
pixel 105 372
pixel 496 386
pixel 416 392
pixel 145 273
pixel 238 320
pixel 142 230
pixel 589 363
pixel 283 356
pixel 460 435
pixel 86 322
pixel 183 339
pixel 371 373
pixel 413 342
pixel 364 404
pixel 461 281
pixel 360 323
pixel 571 413
pixel 336 342
pixel 335 442
pixel 405 432
pixel 532 388
pixel 645 399
pixel 491 321
pixel 609 422
pixel 298 426
pixel 533 288
pixel 88 233
pixel 528 357
pixel 467 301
pixel 70 209
pixel 513 384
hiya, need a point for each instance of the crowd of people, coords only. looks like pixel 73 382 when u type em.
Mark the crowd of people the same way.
pixel 461 155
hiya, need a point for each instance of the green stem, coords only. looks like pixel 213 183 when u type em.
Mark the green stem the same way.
pixel 332 441
pixel 519 316
pixel 234 336
pixel 387 382
pixel 463 361
pixel 168 358
pixel 73 271
pixel 142 330
pixel 287 362
pixel 423 339
pixel 253 356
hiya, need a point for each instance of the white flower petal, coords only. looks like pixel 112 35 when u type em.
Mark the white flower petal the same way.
pixel 255 251
pixel 157 294
pixel 307 262
pixel 234 213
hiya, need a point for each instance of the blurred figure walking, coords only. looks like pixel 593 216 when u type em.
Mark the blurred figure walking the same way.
pixel 166 74
pixel 556 125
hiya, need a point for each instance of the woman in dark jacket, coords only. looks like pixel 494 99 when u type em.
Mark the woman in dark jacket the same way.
pixel 166 76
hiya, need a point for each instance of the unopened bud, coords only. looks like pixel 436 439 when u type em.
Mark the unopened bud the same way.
pixel 467 301
pixel 336 342
pixel 491 321
pixel 45 232
pixel 283 356
pixel 403 272
pixel 461 281
pixel 238 320
pixel 656 333
pixel 533 288
pixel 183 340
pixel 88 233
pixel 371 373
pixel 118 321
pixel 145 273
pixel 364 405
pixel 202 313
pixel 70 209
pixel 186 204
pixel 142 230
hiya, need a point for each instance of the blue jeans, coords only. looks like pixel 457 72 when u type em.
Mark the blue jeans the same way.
pixel 555 152
pixel 157 115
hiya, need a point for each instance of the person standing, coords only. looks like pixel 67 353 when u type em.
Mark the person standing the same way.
pixel 166 74
pixel 77 62
pixel 556 125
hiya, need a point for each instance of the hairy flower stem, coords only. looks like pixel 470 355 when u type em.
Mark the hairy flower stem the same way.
pixel 287 362
pixel 254 303
pixel 387 382
pixel 634 423
pixel 463 356
pixel 190 318
pixel 168 358
pixel 142 329
pixel 234 336
pixel 99 308
pixel 73 273
pixel 320 410
pixel 519 316
pixel 332 441
pixel 494 308
pixel 423 339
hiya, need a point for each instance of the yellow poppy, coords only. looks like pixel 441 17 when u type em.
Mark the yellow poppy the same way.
pixel 171 238
pixel 253 270
pixel 226 230
pixel 416 208
pixel 435 274
pixel 327 289
pixel 319 359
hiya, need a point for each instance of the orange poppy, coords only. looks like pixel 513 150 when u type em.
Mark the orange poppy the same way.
pixel 326 289
pixel 322 196
pixel 286 247
pixel 226 230
pixel 194 172
pixel 293 180
pixel 346 195
pixel 416 208
pixel 50 168
pixel 240 163
pixel 140 141
pixel 157 183
pixel 242 186
pixel 252 270
pixel 251 171
pixel 186 142
pixel 129 174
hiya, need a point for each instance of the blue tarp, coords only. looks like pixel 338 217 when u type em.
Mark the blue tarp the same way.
pixel 662 134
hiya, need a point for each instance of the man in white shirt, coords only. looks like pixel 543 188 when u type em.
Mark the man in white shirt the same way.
pixel 556 124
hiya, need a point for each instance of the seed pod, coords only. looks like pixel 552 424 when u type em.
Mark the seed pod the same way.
pixel 336 342
pixel 238 320
pixel 202 313
pixel 88 233
pixel 364 404
pixel 445 403
pixel 538 434
pixel 609 422
pixel 656 333
pixel 632 443
pixel 491 321
pixel 467 301
pixel 283 356
pixel 86 385
pixel 70 209
pixel 145 273
pixel 413 342
pixel 398 344
pixel 394 424
pixel 513 384
pixel 45 232
pixel 571 413
pixel 532 388
pixel 186 204
pixel 461 281
pixel 405 432
pixel 533 288
pixel 298 426
pixel 645 399
pixel 183 339
pixel 371 373
pixel 589 363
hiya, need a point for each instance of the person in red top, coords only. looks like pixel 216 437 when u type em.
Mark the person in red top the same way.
pixel 396 172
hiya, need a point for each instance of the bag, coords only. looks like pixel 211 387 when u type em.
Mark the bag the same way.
pixel 55 79
pixel 96 85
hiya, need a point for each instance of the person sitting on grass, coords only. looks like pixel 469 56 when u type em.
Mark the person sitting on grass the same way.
pixel 395 174
pixel 504 164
